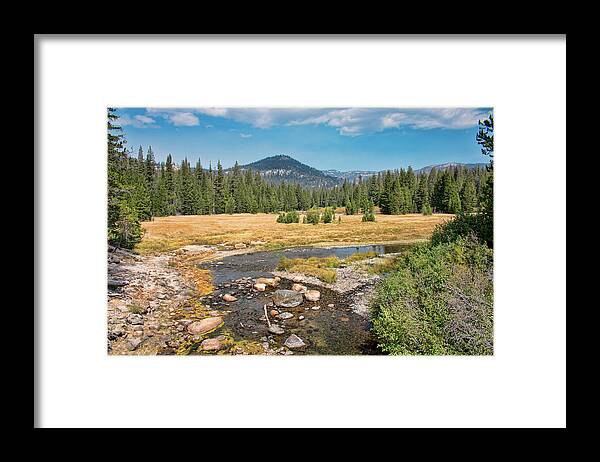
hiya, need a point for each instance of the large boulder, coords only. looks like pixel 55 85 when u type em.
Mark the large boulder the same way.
pixel 312 295
pixel 287 298
pixel 205 325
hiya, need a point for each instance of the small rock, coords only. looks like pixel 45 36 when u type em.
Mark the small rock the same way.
pixel 205 325
pixel 260 287
pixel 274 312
pixel 221 338
pixel 285 315
pixel 317 307
pixel 276 330
pixel 312 295
pixel 300 317
pixel 271 282
pixel 240 246
pixel 133 343
pixel 135 319
pixel 298 279
pixel 229 298
pixel 331 305
pixel 299 288
pixel 210 344
pixel 293 341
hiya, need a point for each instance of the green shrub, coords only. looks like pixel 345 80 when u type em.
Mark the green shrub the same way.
pixel 313 216
pixel 437 301
pixel 328 215
pixel 289 217
pixel 480 225
pixel 350 208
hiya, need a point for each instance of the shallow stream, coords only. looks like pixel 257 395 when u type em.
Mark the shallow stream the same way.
pixel 328 330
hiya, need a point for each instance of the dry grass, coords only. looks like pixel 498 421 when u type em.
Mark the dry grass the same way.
pixel 360 256
pixel 170 233
pixel 321 268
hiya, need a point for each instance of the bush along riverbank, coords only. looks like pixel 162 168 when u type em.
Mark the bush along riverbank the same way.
pixel 438 300
pixel 438 297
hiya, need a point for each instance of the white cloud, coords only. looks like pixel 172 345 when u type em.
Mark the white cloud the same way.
pixel 348 121
pixel 184 118
pixel 359 121
pixel 354 121
pixel 144 119
pixel 245 135
pixel 177 117
pixel 138 121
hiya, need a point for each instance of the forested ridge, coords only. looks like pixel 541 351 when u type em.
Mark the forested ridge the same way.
pixel 140 187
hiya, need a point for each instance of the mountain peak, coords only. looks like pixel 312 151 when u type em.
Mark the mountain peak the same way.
pixel 282 167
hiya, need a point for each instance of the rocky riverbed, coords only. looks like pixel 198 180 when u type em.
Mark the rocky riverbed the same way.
pixel 155 305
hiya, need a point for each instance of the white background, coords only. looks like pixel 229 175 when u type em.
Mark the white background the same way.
pixel 523 384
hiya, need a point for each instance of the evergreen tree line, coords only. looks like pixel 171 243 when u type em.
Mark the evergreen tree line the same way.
pixel 163 189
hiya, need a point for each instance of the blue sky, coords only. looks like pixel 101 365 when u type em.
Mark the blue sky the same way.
pixel 324 138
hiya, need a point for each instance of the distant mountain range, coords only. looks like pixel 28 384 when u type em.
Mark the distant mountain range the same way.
pixel 285 168
pixel 448 165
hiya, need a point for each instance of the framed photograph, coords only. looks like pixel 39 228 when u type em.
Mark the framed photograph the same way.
pixel 355 224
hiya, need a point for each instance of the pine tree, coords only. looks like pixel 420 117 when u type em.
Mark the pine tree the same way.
pixel 468 196
pixel 220 193
pixel 123 226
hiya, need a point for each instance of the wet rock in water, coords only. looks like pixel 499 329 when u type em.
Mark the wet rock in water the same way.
pixel 293 341
pixel 287 298
pixel 274 312
pixel 299 288
pixel 205 325
pixel 298 279
pixel 271 282
pixel 260 287
pixel 135 319
pixel 229 298
pixel 276 330
pixel 312 295
pixel 240 246
pixel 210 344
pixel 285 315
